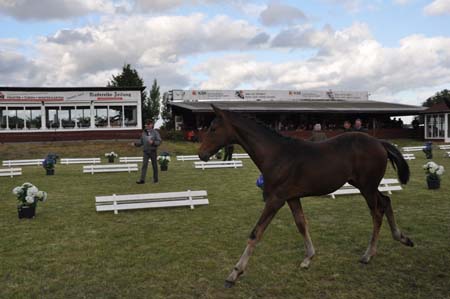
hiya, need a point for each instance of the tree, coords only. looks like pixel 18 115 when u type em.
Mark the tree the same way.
pixel 166 115
pixel 153 105
pixel 130 78
pixel 439 97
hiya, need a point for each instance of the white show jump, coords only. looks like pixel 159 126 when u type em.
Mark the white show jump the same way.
pixel 188 158
pixel 117 203
pixel 413 148
pixel 241 156
pixel 386 185
pixel 218 164
pixel 109 168
pixel 10 163
pixel 444 146
pixel 67 161
pixel 10 171
pixel 409 156
pixel 130 159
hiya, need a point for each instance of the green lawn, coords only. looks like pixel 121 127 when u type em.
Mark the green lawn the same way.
pixel 70 251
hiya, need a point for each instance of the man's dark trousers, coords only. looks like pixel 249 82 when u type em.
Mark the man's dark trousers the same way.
pixel 152 156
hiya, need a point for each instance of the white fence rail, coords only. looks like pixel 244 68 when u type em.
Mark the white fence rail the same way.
pixel 110 168
pixel 117 203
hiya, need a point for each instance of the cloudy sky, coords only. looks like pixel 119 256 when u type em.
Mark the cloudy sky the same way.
pixel 398 50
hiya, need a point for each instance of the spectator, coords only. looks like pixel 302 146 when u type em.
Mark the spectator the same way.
pixel 357 127
pixel 150 140
pixel 317 134
pixel 347 126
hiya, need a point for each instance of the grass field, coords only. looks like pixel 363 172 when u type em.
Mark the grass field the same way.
pixel 70 251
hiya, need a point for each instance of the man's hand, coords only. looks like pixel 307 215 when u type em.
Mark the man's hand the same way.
pixel 133 144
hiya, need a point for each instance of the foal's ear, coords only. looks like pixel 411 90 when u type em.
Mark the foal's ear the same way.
pixel 219 112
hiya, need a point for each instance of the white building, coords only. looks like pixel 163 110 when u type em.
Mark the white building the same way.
pixel 54 113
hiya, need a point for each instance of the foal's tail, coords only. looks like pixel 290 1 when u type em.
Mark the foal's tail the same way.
pixel 397 161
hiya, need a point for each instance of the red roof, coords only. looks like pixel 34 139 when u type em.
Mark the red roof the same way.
pixel 438 108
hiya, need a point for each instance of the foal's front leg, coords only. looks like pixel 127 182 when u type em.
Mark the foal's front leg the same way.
pixel 270 209
pixel 302 226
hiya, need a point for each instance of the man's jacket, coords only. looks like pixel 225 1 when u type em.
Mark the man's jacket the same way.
pixel 146 136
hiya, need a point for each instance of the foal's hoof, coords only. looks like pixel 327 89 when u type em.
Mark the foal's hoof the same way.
pixel 408 242
pixel 364 260
pixel 228 284
pixel 305 264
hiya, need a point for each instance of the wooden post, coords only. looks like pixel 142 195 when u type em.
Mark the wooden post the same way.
pixel 115 205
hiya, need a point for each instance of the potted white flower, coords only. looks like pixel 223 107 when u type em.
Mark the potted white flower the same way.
pixel 164 160
pixel 28 196
pixel 49 163
pixel 111 156
pixel 434 172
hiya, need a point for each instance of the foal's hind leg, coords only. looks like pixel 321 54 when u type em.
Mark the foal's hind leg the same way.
pixel 377 217
pixel 271 208
pixel 302 226
pixel 385 201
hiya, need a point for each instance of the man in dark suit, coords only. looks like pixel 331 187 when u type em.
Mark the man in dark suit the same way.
pixel 150 140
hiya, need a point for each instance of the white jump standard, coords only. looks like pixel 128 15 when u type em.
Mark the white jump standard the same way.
pixel 10 163
pixel 409 156
pixel 150 200
pixel 130 159
pixel 386 185
pixel 110 168
pixel 10 171
pixel 413 148
pixel 67 161
pixel 218 164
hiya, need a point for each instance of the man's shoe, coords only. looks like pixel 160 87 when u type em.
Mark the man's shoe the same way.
pixel 156 182
pixel 140 182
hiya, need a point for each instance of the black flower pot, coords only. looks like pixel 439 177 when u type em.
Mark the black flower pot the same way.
pixel 164 167
pixel 26 211
pixel 433 183
pixel 50 171
pixel 111 159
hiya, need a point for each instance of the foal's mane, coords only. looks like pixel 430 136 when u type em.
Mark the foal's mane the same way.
pixel 263 126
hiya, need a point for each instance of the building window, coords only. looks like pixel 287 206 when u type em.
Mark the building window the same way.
pixel 16 118
pixel 33 117
pixel 2 118
pixel 435 126
pixel 101 116
pixel 82 116
pixel 115 116
pixel 130 113
pixel 67 116
pixel 52 117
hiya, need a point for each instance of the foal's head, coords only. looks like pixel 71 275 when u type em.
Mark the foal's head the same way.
pixel 219 134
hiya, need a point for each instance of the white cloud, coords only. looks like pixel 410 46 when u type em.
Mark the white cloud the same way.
pixel 438 7
pixel 156 46
pixel 165 5
pixel 402 2
pixel 363 64
pixel 280 14
pixel 351 5
pixel 53 9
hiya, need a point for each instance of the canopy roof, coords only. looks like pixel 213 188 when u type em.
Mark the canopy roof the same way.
pixel 303 106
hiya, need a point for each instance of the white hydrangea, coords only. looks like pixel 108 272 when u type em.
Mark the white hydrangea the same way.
pixel 440 170
pixel 32 191
pixel 17 191
pixel 29 199
pixel 41 195
pixel 27 185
